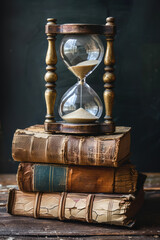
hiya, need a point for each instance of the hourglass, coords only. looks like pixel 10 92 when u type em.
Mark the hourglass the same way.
pixel 82 51
pixel 82 54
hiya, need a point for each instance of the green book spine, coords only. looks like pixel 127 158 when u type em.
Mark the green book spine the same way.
pixel 44 180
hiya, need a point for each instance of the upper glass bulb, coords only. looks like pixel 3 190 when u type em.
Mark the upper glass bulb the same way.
pixel 82 54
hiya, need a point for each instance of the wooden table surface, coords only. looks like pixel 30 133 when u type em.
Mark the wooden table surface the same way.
pixel 147 224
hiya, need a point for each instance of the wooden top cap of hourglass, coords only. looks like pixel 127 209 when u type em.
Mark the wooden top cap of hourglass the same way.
pixel 78 28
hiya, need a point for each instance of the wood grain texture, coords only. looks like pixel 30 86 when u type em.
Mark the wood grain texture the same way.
pixel 79 128
pixel 109 76
pixel 30 227
pixel 34 145
pixel 50 76
pixel 80 29
pixel 84 238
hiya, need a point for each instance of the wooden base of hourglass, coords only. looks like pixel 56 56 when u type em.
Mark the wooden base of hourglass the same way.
pixel 78 128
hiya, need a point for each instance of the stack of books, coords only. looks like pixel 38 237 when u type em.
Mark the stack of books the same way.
pixel 73 177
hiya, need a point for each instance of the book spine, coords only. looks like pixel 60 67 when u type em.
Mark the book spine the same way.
pixel 53 178
pixel 92 208
pixel 62 149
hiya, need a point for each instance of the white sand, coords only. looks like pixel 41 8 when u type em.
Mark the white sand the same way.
pixel 79 116
pixel 88 63
pixel 83 68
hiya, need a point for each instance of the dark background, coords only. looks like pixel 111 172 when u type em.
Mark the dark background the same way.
pixel 137 51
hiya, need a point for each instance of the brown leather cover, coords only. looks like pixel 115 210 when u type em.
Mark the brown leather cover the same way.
pixel 35 145
pixel 76 178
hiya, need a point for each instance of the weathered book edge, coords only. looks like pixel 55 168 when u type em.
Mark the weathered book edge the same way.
pixel 136 202
pixel 61 178
pixel 121 150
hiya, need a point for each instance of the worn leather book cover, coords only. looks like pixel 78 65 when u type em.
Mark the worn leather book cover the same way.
pixel 60 178
pixel 117 209
pixel 35 145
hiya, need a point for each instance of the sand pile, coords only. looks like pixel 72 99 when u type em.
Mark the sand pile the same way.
pixel 79 116
pixel 83 68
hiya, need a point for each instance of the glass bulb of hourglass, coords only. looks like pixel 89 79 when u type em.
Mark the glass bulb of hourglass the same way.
pixel 82 54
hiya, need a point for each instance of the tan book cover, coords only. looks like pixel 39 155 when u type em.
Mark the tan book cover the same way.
pixel 117 209
pixel 35 145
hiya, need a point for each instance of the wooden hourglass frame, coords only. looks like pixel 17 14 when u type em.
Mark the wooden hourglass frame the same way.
pixel 108 30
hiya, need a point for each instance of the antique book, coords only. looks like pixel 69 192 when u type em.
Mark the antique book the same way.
pixel 117 209
pixel 60 178
pixel 34 145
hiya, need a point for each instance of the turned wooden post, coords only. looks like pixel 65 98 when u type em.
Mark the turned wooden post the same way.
pixel 50 76
pixel 109 77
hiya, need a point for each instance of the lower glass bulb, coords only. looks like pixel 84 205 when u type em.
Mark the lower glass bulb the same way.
pixel 80 104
